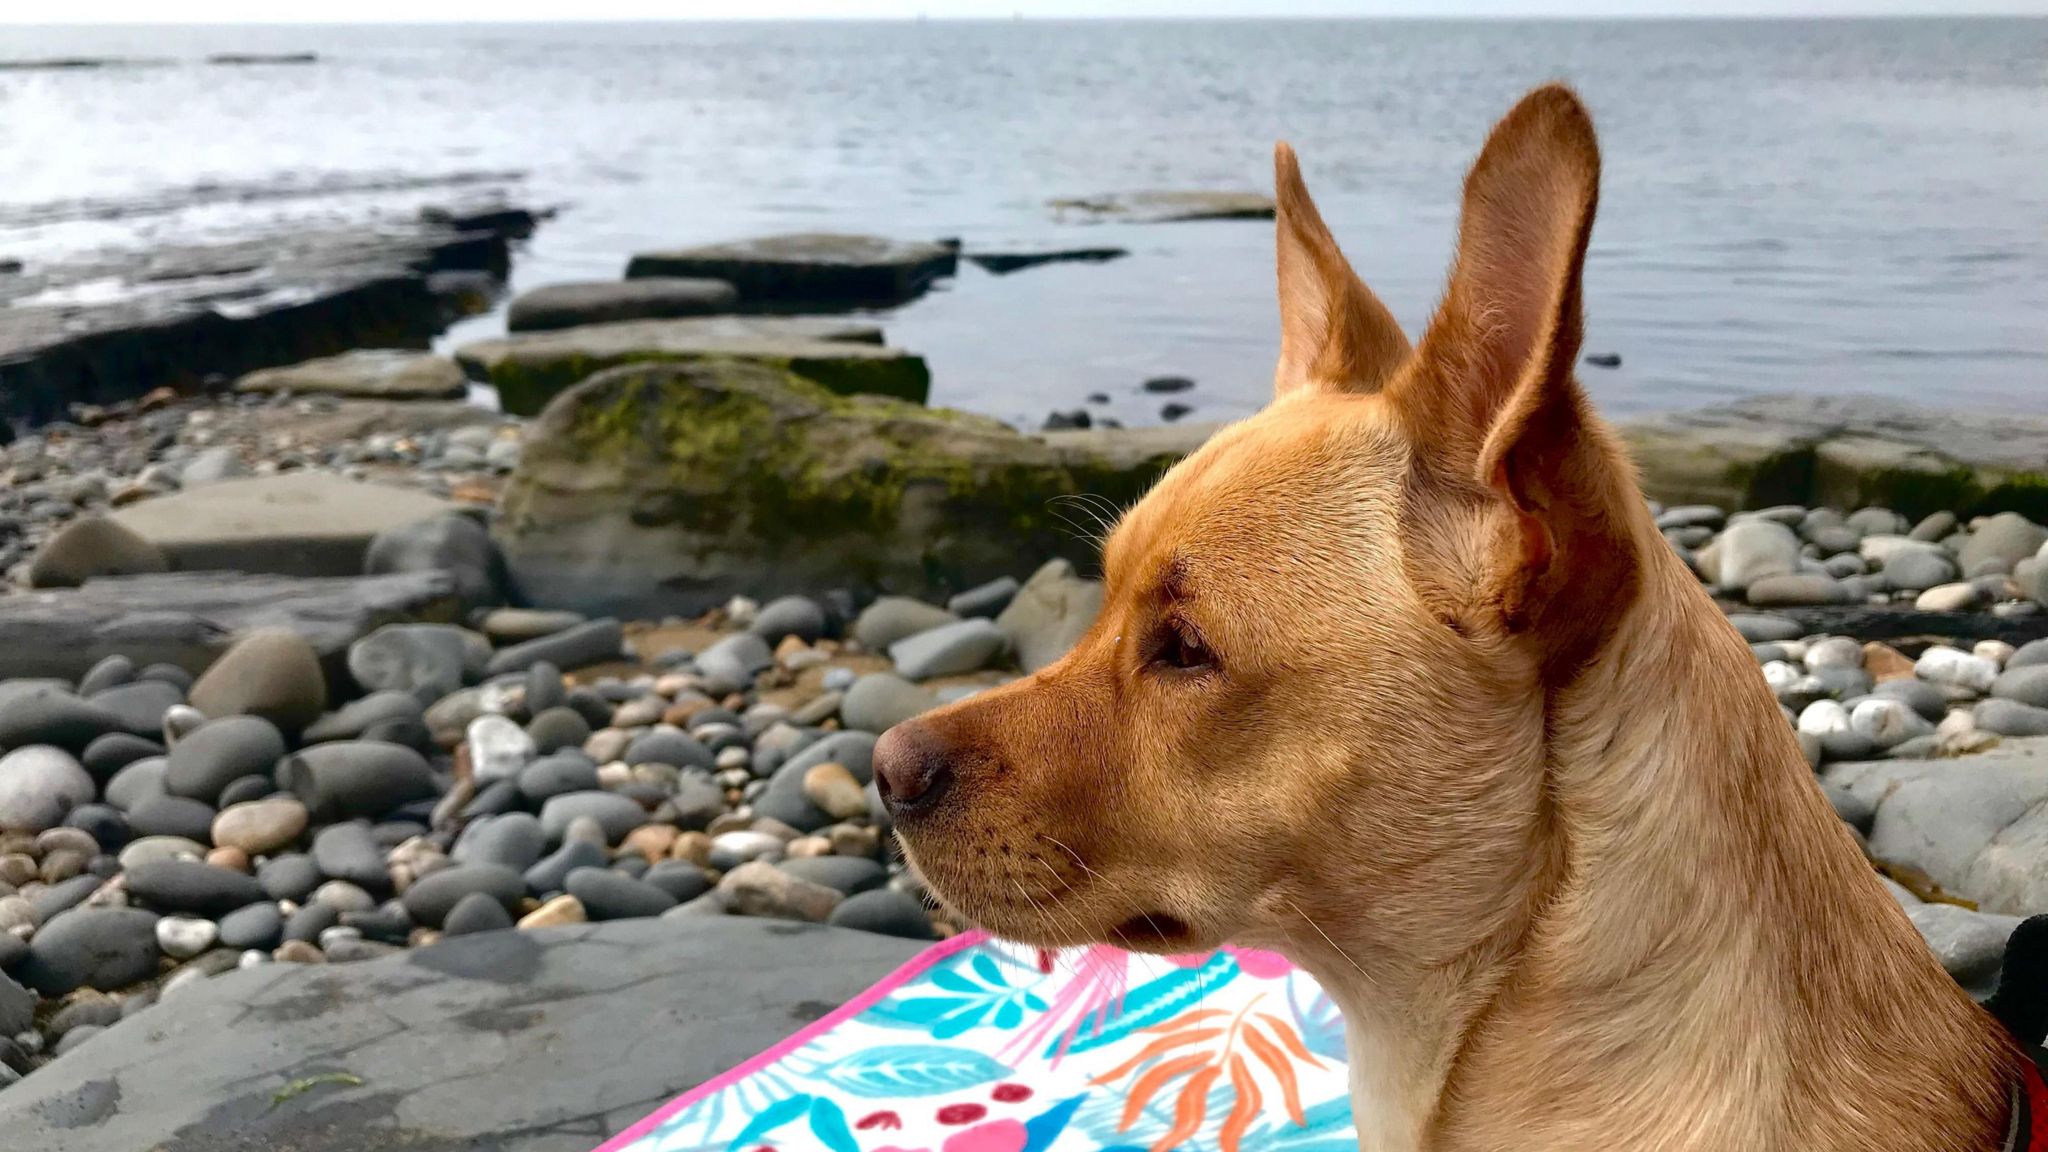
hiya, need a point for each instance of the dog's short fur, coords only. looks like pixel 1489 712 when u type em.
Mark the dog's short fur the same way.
pixel 1397 677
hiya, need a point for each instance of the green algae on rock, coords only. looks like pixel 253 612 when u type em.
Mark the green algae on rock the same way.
pixel 845 357
pixel 666 488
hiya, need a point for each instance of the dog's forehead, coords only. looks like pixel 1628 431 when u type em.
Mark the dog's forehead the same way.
pixel 1306 472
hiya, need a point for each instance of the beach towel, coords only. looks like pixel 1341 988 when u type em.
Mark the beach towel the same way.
pixel 981 1046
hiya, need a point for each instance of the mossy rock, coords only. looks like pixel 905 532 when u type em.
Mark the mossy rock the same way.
pixel 1844 452
pixel 666 488
pixel 845 357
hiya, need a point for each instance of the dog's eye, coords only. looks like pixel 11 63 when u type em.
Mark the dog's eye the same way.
pixel 1180 646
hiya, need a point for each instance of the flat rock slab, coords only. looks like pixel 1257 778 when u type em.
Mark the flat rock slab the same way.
pixel 1844 452
pixel 366 373
pixel 547 1041
pixel 1004 263
pixel 295 524
pixel 845 357
pixel 1165 206
pixel 190 618
pixel 106 328
pixel 609 301
pixel 809 270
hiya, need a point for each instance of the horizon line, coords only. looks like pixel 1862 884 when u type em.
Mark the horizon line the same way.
pixel 1637 16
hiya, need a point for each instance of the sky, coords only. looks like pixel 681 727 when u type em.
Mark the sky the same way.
pixel 382 11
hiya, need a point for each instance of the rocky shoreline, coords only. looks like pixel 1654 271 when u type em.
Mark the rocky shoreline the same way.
pixel 320 663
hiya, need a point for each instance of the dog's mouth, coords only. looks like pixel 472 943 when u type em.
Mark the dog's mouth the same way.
pixel 1153 932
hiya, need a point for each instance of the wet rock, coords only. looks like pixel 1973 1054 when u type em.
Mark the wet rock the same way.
pixel 812 270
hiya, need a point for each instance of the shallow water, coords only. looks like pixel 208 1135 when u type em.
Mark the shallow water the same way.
pixel 1788 206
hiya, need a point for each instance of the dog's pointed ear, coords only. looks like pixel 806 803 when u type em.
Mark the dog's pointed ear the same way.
pixel 1335 335
pixel 1491 402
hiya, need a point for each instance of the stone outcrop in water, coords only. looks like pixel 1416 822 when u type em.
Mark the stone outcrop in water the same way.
pixel 103 329
pixel 842 356
pixel 1844 452
pixel 809 271
pixel 1164 207
pixel 666 488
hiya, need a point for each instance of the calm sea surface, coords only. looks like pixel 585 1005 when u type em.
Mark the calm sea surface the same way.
pixel 1789 206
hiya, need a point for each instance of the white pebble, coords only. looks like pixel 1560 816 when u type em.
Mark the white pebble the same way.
pixel 329 937
pixel 740 611
pixel 1949 598
pixel 1957 722
pixel 183 937
pixel 1823 717
pixel 1887 721
pixel 1834 652
pixel 498 748
pixel 1945 665
pixel 1781 675
pixel 1996 651
pixel 253 958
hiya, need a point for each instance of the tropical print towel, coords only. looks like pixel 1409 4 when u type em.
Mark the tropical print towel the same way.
pixel 980 1046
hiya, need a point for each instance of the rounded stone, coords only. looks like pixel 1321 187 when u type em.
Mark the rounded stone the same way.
pixel 1918 569
pixel 92 546
pixel 261 827
pixel 46 714
pixel 192 887
pixel 219 752
pixel 39 786
pixel 348 851
pixel 557 728
pixel 427 661
pixel 891 618
pixel 153 848
pixel 846 874
pixel 106 826
pixel 798 616
pixel 273 673
pixel 950 649
pixel 616 815
pixel 681 879
pixel 514 840
pixel 292 877
pixel 609 895
pixel 103 948
pixel 552 873
pixel 664 744
pixel 879 701
pixel 359 716
pixel 834 790
pixel 557 774
pixel 884 911
pixel 431 898
pixel 257 926
pixel 183 937
pixel 173 816
pixel 356 778
pixel 115 751
pixel 140 706
pixel 474 913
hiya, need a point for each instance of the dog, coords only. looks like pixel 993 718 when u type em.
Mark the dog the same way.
pixel 1398 678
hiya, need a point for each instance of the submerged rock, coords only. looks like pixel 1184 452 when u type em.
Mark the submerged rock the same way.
pixel 821 270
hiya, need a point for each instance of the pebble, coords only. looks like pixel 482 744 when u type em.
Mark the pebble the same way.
pixel 892 618
pixel 681 879
pixel 426 661
pixel 513 840
pixel 2011 718
pixel 290 877
pixel 39 786
pixel 557 728
pixel 271 672
pixel 515 625
pixel 1949 598
pixel 498 748
pixel 1752 550
pixel 192 887
pixel 474 913
pixel 359 716
pixel 884 911
pixel 217 753
pixel 257 926
pixel 173 816
pixel 1799 589
pixel 949 650
pixel 183 937
pixel 555 913
pixel 834 790
pixel 797 616
pixel 845 874
pixel 356 778
pixel 879 701
pixel 731 664
pixel 431 899
pixel 1945 665
pixel 2028 685
pixel 608 895
pixel 758 888
pixel 616 815
pixel 104 948
pixel 585 644
pixel 260 827
pixel 342 896
pixel 664 744
pixel 350 852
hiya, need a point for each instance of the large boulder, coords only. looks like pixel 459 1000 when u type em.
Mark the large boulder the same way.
pixel 667 488
pixel 821 270
pixel 609 301
pixel 531 368
pixel 292 524
pixel 1844 452
pixel 373 373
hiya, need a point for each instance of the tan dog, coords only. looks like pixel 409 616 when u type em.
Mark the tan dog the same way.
pixel 1398 678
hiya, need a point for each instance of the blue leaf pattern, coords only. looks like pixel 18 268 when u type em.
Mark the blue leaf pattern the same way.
pixel 984 1027
pixel 911 1070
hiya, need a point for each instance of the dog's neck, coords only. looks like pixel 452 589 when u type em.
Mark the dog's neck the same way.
pixel 1701 957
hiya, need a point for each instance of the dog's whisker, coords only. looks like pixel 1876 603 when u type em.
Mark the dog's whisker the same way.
pixel 1326 938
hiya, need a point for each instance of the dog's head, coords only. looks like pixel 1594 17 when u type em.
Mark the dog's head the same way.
pixel 1317 682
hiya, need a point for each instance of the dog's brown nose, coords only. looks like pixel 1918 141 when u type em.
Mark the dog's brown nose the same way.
pixel 911 769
